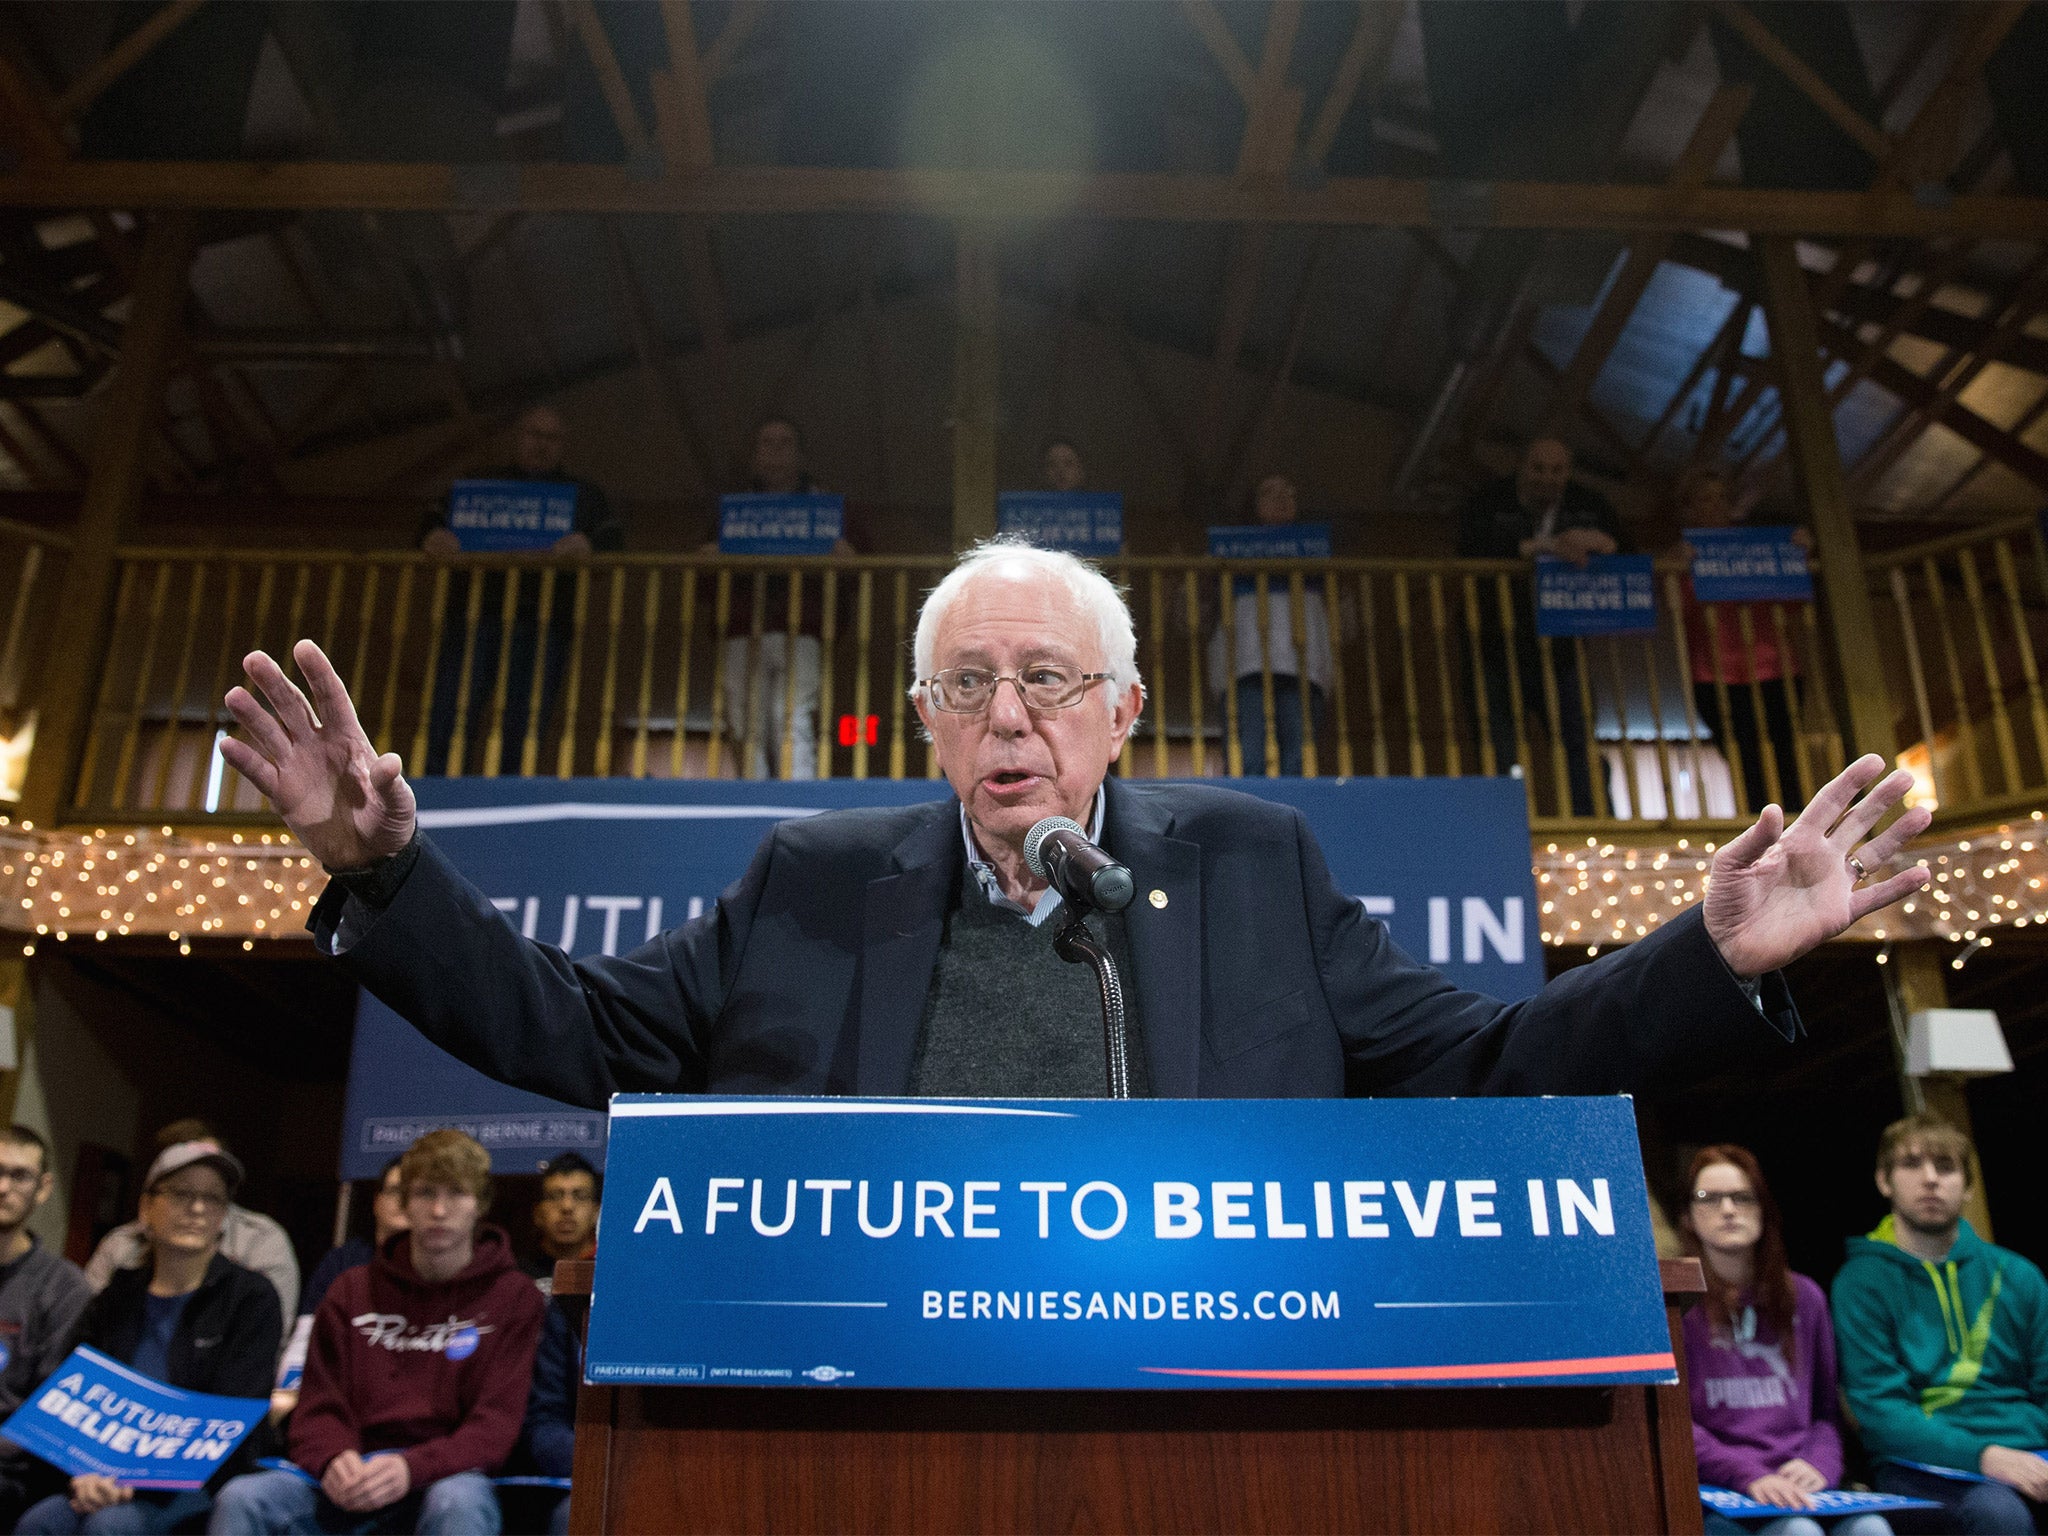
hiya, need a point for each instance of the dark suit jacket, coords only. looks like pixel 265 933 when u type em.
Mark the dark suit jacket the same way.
pixel 1493 521
pixel 1257 977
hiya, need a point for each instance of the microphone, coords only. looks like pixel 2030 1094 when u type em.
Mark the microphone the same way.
pixel 1059 852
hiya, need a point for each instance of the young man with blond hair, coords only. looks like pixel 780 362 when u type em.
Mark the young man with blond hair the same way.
pixel 417 1373
pixel 1944 1344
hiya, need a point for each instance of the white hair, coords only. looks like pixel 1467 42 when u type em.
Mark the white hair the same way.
pixel 1092 592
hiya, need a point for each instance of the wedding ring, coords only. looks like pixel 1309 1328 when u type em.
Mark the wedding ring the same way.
pixel 1857 865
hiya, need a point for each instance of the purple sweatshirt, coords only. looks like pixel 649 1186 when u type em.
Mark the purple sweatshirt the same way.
pixel 1757 1403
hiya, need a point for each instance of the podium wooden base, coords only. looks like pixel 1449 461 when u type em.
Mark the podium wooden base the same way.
pixel 1493 1459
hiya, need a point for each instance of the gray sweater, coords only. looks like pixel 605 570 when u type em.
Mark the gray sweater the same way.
pixel 41 1297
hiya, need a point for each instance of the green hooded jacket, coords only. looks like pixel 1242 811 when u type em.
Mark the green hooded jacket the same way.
pixel 1941 1360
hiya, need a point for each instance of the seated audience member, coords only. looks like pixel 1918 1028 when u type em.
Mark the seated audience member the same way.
pixel 565 1216
pixel 1944 1343
pixel 550 1430
pixel 1540 510
pixel 417 1374
pixel 1274 505
pixel 539 446
pixel 1706 502
pixel 41 1297
pixel 387 1213
pixel 1759 1355
pixel 1063 466
pixel 187 1316
pixel 248 1238
pixel 778 468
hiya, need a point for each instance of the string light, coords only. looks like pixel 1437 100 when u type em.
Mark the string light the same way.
pixel 154 884
pixel 1614 894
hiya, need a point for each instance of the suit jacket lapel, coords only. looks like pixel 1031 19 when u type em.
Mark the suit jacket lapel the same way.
pixel 1166 940
pixel 903 917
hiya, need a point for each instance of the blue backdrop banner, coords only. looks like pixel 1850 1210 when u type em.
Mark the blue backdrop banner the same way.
pixel 1085 523
pixel 1748 565
pixel 598 866
pixel 96 1416
pixel 1147 1243
pixel 1610 595
pixel 755 523
pixel 500 516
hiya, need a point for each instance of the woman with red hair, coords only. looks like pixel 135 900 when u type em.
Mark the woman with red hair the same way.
pixel 1760 1355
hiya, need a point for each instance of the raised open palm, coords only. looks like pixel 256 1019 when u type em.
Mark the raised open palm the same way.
pixel 1778 891
pixel 313 761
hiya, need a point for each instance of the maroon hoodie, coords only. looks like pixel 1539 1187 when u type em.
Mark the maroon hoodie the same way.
pixel 436 1369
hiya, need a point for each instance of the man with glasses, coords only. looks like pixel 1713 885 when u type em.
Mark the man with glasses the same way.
pixel 1944 1342
pixel 907 951
pixel 565 1216
pixel 41 1296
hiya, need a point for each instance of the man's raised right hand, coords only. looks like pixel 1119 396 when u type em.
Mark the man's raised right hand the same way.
pixel 315 764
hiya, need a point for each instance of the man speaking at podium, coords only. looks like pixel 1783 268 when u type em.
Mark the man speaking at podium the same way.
pixel 908 951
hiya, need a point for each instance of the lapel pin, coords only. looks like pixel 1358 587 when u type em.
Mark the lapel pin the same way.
pixel 1157 898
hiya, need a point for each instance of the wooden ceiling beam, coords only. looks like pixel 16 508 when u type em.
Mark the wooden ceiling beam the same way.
pixel 1710 136
pixel 739 26
pixel 81 93
pixel 1745 23
pixel 1384 201
pixel 1216 37
pixel 611 80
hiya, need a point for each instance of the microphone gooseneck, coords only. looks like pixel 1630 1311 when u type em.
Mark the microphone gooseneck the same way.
pixel 1059 853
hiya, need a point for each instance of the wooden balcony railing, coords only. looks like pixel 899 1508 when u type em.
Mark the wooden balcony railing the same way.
pixel 649 666
pixel 1970 617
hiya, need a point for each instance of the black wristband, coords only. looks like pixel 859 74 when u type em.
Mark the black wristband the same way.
pixel 376 885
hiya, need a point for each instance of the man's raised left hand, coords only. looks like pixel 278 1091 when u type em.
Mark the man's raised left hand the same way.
pixel 1778 891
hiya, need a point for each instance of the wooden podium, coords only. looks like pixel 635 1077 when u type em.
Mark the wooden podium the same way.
pixel 671 1459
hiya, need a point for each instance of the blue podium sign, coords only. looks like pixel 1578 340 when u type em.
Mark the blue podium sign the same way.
pixel 96 1416
pixel 1829 1503
pixel 1085 523
pixel 1264 541
pixel 1610 595
pixel 506 516
pixel 757 523
pixel 1748 565
pixel 1146 1243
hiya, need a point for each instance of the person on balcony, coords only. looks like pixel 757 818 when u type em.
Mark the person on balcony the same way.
pixel 1062 466
pixel 1539 510
pixel 539 448
pixel 1705 500
pixel 1301 684
pixel 758 694
pixel 1759 1355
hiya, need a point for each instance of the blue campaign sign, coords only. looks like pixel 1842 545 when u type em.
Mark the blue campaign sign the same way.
pixel 1748 565
pixel 1085 523
pixel 1610 595
pixel 502 516
pixel 1260 541
pixel 757 523
pixel 1828 1504
pixel 1144 1243
pixel 96 1416
pixel 597 866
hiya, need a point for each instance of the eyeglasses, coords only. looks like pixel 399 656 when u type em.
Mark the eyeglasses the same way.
pixel 192 1199
pixel 26 1177
pixel 1043 687
pixel 1741 1199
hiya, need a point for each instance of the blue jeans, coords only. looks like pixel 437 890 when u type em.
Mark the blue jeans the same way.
pixel 1718 1524
pixel 149 1513
pixel 276 1502
pixel 1288 723
pixel 1972 1509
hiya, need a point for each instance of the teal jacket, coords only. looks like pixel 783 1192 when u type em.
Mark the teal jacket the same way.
pixel 1941 1360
